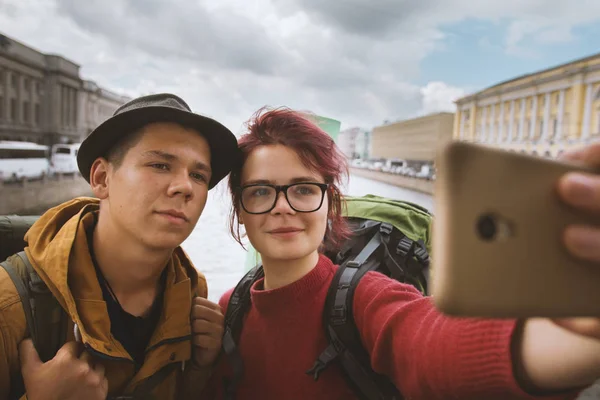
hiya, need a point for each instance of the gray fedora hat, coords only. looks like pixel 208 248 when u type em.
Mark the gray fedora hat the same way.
pixel 162 107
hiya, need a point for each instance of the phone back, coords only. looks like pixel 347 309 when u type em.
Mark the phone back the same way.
pixel 497 238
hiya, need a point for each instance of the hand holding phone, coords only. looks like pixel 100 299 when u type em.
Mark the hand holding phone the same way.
pixel 498 247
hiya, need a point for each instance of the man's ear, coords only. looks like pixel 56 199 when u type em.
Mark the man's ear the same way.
pixel 99 177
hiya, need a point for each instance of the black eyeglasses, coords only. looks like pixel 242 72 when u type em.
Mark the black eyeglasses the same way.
pixel 302 197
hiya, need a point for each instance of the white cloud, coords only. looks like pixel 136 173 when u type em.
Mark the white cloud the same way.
pixel 439 96
pixel 353 60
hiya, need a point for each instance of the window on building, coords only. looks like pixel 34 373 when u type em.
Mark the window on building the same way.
pixel 13 80
pixel 27 84
pixel 597 99
pixel 1 108
pixel 63 106
pixel 597 122
pixel 26 113
pixel 541 132
pixel 74 108
pixel 38 88
pixel 37 116
pixel 13 110
pixel 2 77
pixel 554 128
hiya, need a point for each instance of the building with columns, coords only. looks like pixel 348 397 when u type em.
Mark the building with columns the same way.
pixel 543 113
pixel 96 105
pixel 43 98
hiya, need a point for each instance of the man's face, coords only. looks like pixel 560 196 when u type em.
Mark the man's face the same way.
pixel 156 195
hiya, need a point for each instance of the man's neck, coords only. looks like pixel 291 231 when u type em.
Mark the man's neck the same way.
pixel 279 273
pixel 132 270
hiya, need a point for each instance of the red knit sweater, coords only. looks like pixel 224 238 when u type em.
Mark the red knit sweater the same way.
pixel 428 355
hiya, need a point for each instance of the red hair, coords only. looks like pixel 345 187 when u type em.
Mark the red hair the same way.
pixel 317 151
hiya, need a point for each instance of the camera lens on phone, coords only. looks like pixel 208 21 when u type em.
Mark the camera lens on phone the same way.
pixel 487 227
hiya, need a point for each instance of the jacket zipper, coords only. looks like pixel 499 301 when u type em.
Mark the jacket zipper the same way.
pixel 136 365
pixel 111 358
pixel 169 341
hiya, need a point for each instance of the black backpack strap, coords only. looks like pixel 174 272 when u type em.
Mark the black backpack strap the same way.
pixel 46 320
pixel 49 319
pixel 414 257
pixel 238 306
pixel 345 342
pixel 17 387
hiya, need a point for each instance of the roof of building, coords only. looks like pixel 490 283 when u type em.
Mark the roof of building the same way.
pixel 531 74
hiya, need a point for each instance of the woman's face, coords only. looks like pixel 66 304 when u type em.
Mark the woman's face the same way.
pixel 282 233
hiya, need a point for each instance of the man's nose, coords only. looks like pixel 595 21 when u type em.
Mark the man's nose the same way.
pixel 182 185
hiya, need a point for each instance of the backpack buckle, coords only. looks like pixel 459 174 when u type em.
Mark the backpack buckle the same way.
pixel 326 357
pixel 353 264
pixel 422 256
pixel 385 228
pixel 338 315
pixel 404 246
pixel 37 285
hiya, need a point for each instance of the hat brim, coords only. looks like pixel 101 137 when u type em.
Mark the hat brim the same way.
pixel 223 144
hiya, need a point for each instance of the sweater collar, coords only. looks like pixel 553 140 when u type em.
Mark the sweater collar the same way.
pixel 281 299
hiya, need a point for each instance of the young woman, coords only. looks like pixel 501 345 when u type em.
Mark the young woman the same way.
pixel 284 194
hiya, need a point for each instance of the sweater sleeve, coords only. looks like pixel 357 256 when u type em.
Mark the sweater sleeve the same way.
pixel 432 356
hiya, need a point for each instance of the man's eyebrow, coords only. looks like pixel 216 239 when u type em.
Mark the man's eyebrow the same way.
pixel 171 157
pixel 161 154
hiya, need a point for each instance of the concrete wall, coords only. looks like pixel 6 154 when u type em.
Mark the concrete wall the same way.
pixel 420 185
pixel 41 195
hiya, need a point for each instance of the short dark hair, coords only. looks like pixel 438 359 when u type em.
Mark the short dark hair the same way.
pixel 119 150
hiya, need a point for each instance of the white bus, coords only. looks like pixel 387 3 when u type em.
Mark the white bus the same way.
pixel 64 158
pixel 23 160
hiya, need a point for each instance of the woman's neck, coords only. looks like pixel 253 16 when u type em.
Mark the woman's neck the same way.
pixel 279 273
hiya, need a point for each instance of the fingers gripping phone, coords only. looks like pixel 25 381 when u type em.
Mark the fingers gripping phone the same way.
pixel 497 238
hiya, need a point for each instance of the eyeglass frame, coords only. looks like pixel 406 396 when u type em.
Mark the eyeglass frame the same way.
pixel 284 189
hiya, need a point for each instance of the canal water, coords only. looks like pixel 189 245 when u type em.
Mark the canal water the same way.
pixel 222 260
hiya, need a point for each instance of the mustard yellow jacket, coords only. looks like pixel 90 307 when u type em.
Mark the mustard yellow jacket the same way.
pixel 58 250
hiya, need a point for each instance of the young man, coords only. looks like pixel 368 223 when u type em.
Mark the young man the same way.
pixel 115 266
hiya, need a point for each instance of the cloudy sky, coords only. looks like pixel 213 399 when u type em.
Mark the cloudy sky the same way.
pixel 358 61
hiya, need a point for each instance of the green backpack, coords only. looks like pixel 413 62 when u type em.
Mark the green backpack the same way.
pixel 388 236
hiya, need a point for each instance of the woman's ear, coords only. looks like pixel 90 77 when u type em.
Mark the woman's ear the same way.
pixel 240 219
